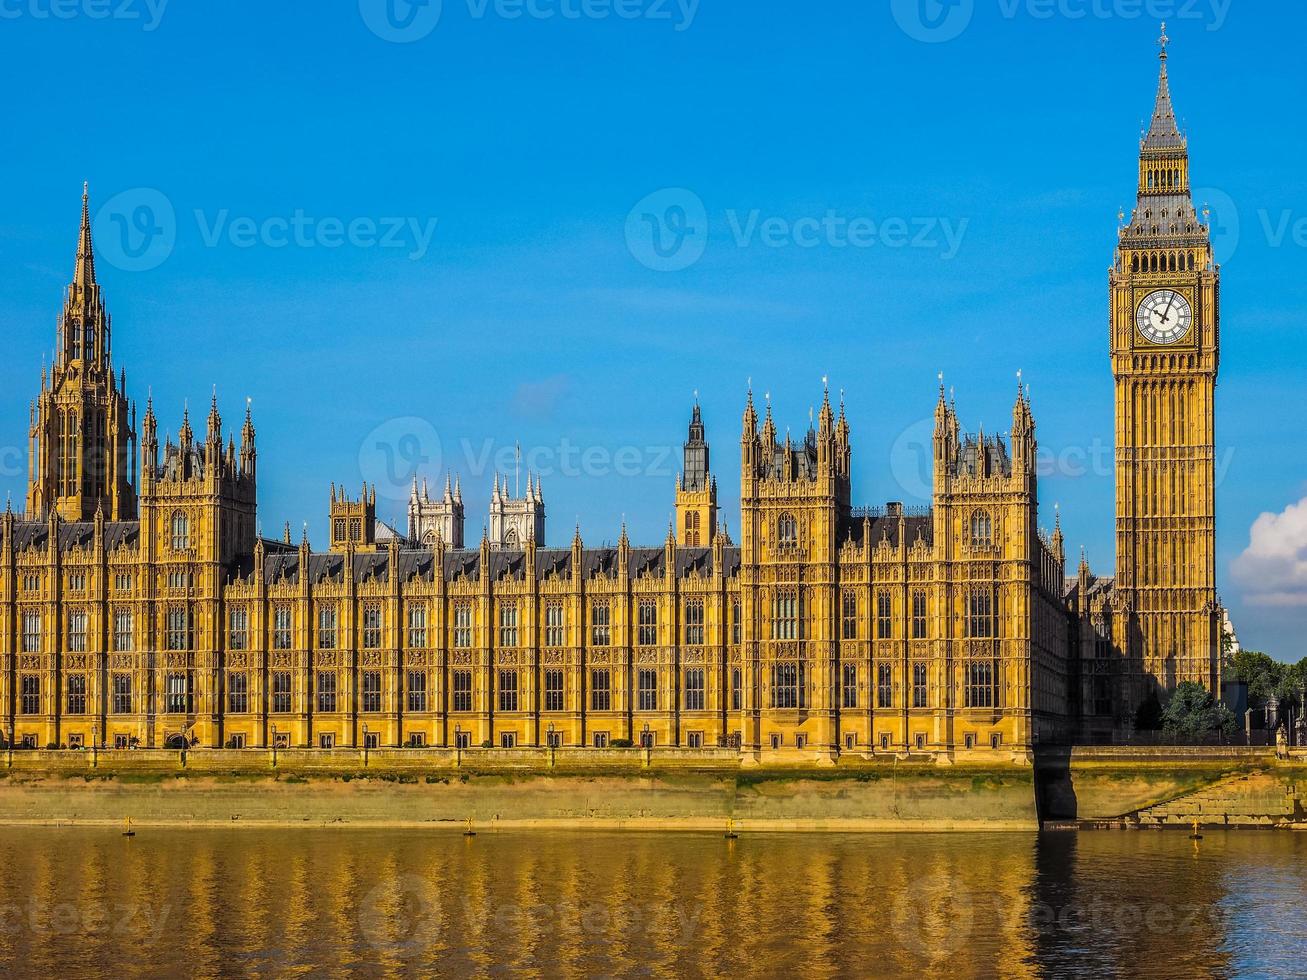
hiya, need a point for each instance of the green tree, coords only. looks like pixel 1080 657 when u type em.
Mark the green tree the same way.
pixel 1192 713
pixel 1263 675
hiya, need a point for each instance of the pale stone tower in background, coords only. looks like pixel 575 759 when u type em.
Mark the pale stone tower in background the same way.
pixel 514 521
pixel 429 520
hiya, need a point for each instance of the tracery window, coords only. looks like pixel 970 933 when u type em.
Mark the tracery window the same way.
pixel 181 532
pixel 787 531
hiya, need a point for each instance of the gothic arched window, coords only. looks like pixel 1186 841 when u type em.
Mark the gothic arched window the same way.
pixel 982 530
pixel 787 531
pixel 181 532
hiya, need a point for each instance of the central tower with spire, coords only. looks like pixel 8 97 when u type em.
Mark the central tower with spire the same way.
pixel 82 432
pixel 696 489
pixel 1165 351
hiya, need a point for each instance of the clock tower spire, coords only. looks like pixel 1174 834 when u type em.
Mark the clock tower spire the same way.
pixel 1165 348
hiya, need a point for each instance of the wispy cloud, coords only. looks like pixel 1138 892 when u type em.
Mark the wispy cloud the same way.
pixel 1273 568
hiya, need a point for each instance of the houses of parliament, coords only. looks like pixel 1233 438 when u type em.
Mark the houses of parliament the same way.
pixel 141 607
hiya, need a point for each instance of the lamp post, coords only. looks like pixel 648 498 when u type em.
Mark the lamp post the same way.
pixel 274 745
pixel 647 741
pixel 551 745
pixel 365 745
pixel 458 745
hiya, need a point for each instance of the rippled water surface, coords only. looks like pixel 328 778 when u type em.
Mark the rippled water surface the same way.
pixel 373 903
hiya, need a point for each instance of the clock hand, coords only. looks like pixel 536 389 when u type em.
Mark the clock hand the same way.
pixel 1170 305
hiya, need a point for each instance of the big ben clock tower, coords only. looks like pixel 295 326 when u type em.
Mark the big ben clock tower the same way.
pixel 1165 343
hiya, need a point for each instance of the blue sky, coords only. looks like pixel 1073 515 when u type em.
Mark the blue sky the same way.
pixel 889 190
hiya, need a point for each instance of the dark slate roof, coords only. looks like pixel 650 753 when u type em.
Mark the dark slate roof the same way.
pixel 983 455
pixel 800 460
pixel 553 561
pixel 1100 589
pixel 600 561
pixel 75 534
pixel 887 526
pixel 647 561
pixel 1163 132
pixel 462 563
pixel 326 568
pixel 277 568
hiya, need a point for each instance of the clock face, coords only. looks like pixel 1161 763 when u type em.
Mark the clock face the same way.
pixel 1164 316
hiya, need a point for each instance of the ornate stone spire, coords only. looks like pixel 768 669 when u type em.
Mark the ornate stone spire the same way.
pixel 750 416
pixel 186 436
pixel 84 273
pixel 214 424
pixel 1163 133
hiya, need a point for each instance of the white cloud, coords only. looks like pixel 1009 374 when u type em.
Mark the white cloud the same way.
pixel 1273 568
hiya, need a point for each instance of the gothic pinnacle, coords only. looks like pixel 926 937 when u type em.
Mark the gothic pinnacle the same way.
pixel 84 271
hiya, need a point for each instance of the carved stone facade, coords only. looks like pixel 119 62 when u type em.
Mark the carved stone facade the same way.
pixel 144 608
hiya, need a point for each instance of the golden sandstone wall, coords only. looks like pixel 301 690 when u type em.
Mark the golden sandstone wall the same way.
pixel 649 790
pixel 631 789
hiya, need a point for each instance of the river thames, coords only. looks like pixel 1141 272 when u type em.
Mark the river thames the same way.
pixel 372 903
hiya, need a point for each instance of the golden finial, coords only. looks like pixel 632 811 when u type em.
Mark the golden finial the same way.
pixel 1163 41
